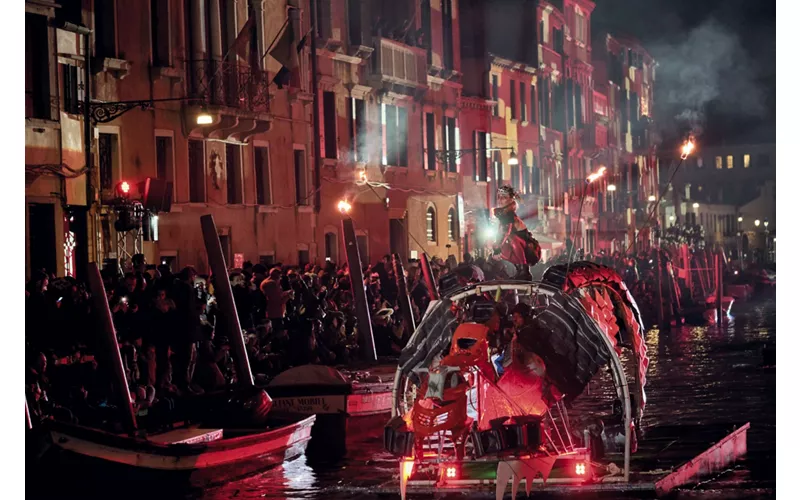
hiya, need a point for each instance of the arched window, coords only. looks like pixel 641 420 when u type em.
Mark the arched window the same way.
pixel 331 247
pixel 452 225
pixel 431 224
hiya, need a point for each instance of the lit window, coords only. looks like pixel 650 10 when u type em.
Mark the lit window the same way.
pixel 452 228
pixel 718 162
pixel 431 224
pixel 699 162
pixel 746 161
pixel 730 161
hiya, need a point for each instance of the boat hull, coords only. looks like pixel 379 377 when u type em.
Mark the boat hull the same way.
pixel 200 464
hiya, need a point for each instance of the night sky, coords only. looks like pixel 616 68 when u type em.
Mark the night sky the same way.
pixel 716 71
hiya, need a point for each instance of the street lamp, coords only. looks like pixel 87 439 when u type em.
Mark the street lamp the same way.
pixel 757 222
pixel 512 159
pixel 344 207
pixel 204 118
pixel 652 197
pixel 611 187
pixel 741 219
pixel 695 205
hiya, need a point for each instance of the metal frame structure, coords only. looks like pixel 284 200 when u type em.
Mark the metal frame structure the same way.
pixel 445 155
pixel 531 289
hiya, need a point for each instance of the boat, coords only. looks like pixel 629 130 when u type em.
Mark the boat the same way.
pixel 464 421
pixel 193 456
pixel 348 404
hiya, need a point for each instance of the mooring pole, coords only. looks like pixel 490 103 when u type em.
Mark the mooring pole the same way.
pixel 718 272
pixel 110 347
pixel 224 295
pixel 28 422
pixel 402 294
pixel 660 285
pixel 427 273
pixel 367 341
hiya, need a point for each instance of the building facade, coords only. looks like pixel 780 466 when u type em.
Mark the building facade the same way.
pixel 418 127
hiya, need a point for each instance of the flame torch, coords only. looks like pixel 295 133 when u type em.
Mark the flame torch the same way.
pixel 687 148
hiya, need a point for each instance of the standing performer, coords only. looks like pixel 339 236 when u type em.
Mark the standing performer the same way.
pixel 517 244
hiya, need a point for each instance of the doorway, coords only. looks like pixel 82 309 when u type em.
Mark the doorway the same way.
pixel 42 222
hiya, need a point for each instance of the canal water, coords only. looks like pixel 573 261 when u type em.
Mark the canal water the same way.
pixel 698 376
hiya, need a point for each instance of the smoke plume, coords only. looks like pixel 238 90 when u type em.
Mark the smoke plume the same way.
pixel 708 67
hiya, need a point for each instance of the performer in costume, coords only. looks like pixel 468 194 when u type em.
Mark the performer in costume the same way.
pixel 517 245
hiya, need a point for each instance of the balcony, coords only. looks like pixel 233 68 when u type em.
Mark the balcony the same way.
pixel 399 67
pixel 549 58
pixel 236 96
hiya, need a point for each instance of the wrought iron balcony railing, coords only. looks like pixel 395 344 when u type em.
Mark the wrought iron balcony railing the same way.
pixel 219 83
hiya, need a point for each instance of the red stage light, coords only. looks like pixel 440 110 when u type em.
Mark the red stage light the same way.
pixel 451 472
pixel 124 187
pixel 580 469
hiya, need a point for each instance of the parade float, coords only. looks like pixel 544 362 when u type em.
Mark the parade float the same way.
pixel 478 405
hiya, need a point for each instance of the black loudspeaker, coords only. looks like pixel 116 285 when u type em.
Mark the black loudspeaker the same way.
pixel 157 195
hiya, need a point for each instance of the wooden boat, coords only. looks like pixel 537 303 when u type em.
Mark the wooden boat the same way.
pixel 191 456
pixel 347 404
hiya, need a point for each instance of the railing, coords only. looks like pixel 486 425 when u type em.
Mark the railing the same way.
pixel 399 63
pixel 228 84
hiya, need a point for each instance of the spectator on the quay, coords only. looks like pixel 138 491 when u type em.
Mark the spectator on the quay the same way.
pixel 276 298
pixel 187 334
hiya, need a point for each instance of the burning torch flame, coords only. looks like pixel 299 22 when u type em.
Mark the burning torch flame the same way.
pixel 687 148
pixel 596 175
pixel 344 207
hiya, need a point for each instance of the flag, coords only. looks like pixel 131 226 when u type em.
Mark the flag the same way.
pixel 283 53
pixel 245 44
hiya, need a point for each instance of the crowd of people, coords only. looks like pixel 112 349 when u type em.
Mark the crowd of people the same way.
pixel 172 341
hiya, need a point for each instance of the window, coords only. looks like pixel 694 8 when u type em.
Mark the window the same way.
pixel 430 141
pixel 331 247
pixel 425 9
pixel 354 21
pixel 746 161
pixel 523 111
pixel 513 100
pixel 452 225
pixel 497 169
pixel 358 128
pixel 108 159
pixel 447 33
pixel 495 96
pixel 37 67
pixel 481 156
pixel 718 162
pixel 533 104
pixel 431 224
pixel 105 28
pixel 580 27
pixel 558 41
pixel 301 194
pixel 324 19
pixel 329 118
pixel 541 32
pixel 730 161
pixel 526 173
pixel 197 178
pixel 699 162
pixel 266 260
pixel 261 163
pixel 71 93
pixel 394 120
pixel 535 178
pixel 362 242
pixel 159 31
pixel 233 171
pixel 164 159
pixel 451 142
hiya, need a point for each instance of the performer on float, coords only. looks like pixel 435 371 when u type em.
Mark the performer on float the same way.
pixel 516 244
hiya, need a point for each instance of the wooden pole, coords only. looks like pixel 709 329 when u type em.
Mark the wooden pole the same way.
pixel 367 340
pixel 660 285
pixel 28 422
pixel 428 275
pixel 718 272
pixel 224 295
pixel 110 347
pixel 402 294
